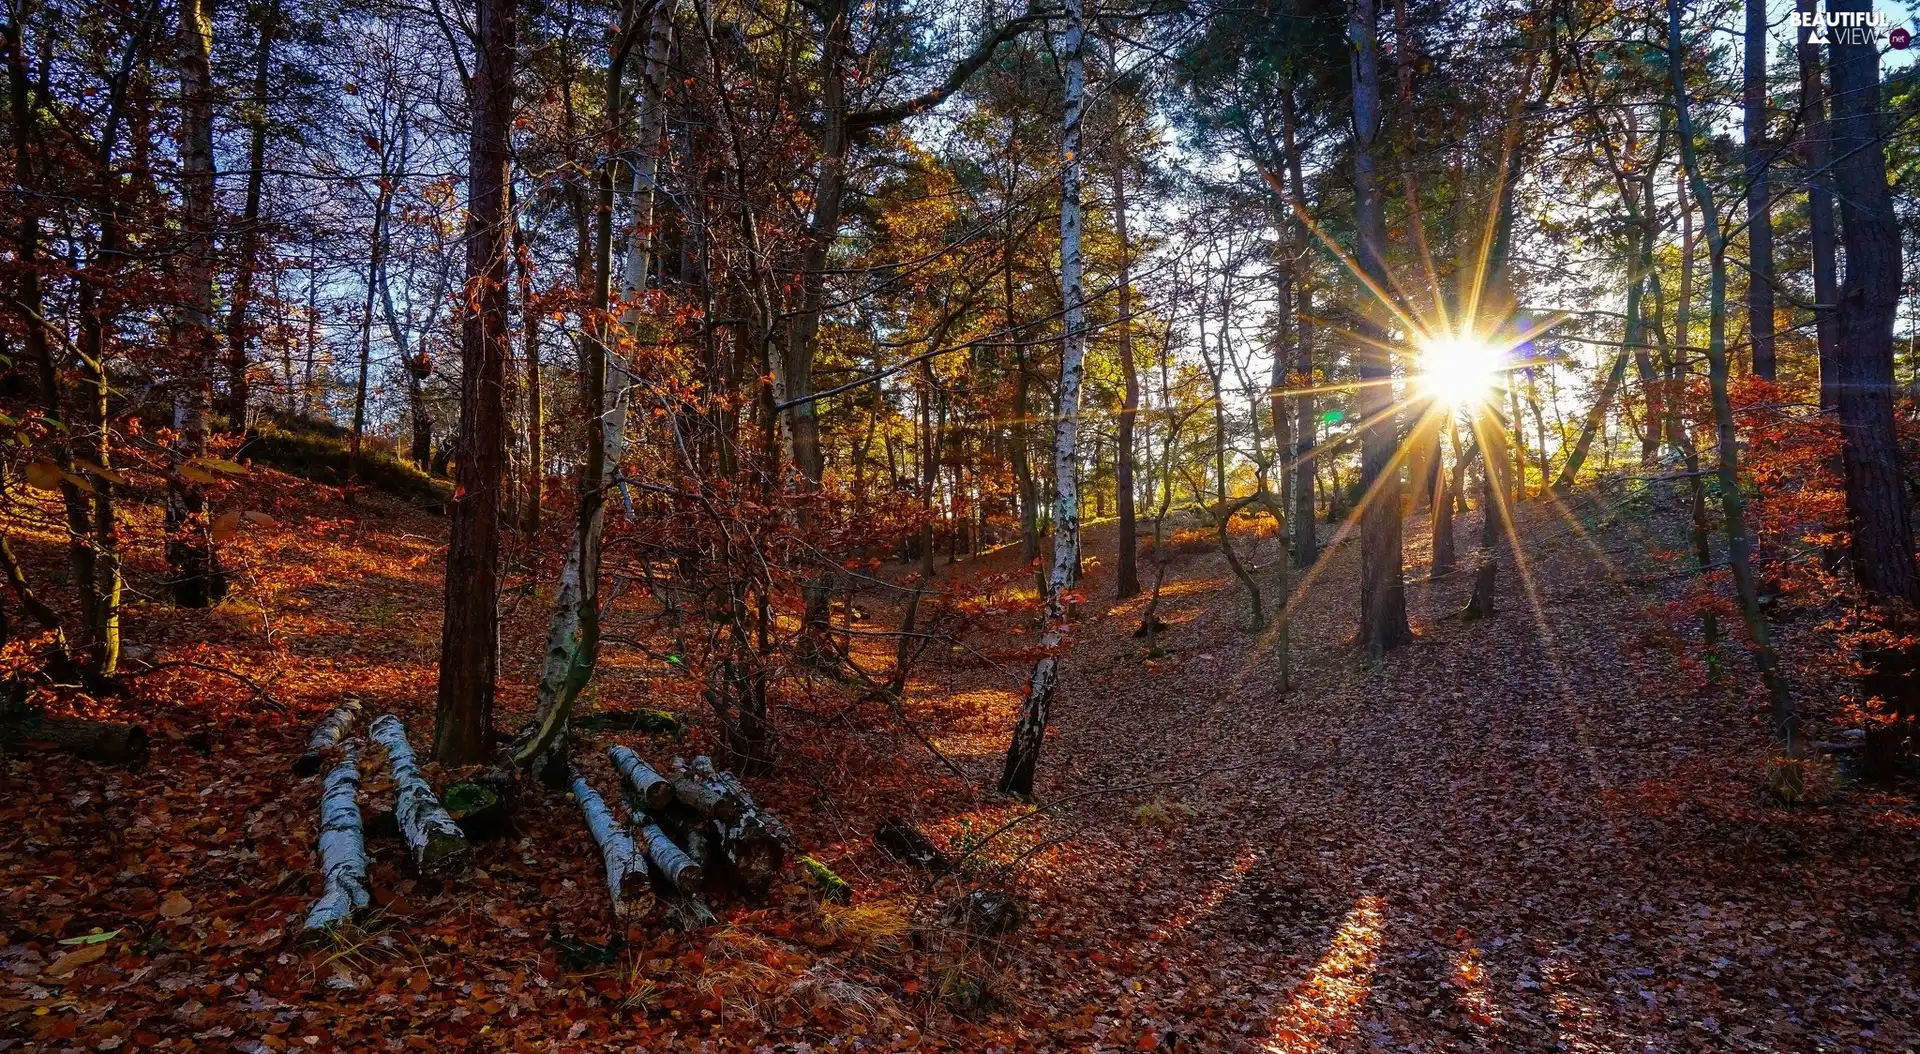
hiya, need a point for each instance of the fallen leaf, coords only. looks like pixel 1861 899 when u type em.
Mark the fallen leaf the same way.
pixel 75 959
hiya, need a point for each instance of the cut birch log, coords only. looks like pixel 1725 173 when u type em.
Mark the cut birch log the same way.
pixel 753 853
pixel 433 838
pixel 697 835
pixel 735 791
pixel 696 792
pixel 343 852
pixel 751 841
pixel 652 788
pixel 623 861
pixel 675 867
pixel 327 735
pixel 109 741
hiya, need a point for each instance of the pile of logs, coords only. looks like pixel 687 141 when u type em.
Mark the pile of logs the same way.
pixel 682 831
pixel 435 842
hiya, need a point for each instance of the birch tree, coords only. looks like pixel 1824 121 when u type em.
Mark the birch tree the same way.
pixel 1030 730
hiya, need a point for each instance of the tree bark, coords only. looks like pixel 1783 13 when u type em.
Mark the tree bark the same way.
pixel 1023 751
pixel 1598 413
pixel 343 850
pixel 435 842
pixel 573 633
pixel 327 735
pixel 376 268
pixel 1820 231
pixel 1759 216
pixel 1026 494
pixel 536 396
pixel 618 853
pixel 193 566
pixel 751 840
pixel 470 642
pixel 1127 567
pixel 1383 598
pixel 1306 546
pixel 1786 722
pixel 92 539
pixel 653 789
pixel 1443 495
pixel 668 860
pixel 239 327
pixel 1878 506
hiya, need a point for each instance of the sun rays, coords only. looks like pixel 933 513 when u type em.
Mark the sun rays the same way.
pixel 1458 369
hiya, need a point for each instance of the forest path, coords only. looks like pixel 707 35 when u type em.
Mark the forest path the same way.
pixel 1524 833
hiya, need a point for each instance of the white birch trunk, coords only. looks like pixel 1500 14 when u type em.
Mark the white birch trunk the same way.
pixel 674 866
pixel 622 859
pixel 326 735
pixel 569 657
pixel 649 786
pixel 435 842
pixel 343 851
pixel 1023 754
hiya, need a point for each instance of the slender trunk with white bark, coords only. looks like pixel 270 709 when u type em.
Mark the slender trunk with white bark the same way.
pixel 1023 752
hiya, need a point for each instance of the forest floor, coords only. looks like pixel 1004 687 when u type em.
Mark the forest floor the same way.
pixel 1540 831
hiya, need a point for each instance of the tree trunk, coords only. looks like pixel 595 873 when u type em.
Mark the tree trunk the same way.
pixel 1127 568
pixel 1306 546
pixel 238 326
pixel 470 640
pixel 1878 506
pixel 343 850
pixel 677 869
pixel 1759 218
pixel 1598 413
pixel 92 538
pixel 326 736
pixel 801 424
pixel 1786 723
pixel 376 279
pixel 1023 751
pixel 1442 515
pixel 108 741
pixel 193 567
pixel 1020 444
pixel 573 633
pixel 651 788
pixel 434 841
pixel 1826 284
pixel 751 840
pixel 536 410
pixel 617 851
pixel 1383 599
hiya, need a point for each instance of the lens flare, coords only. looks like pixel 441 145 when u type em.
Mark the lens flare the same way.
pixel 1459 369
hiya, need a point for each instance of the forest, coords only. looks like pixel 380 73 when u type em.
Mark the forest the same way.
pixel 789 526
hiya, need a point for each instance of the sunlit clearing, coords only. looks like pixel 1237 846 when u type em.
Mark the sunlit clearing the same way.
pixel 1458 368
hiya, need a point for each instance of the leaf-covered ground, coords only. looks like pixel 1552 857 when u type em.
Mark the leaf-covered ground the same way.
pixel 1542 831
